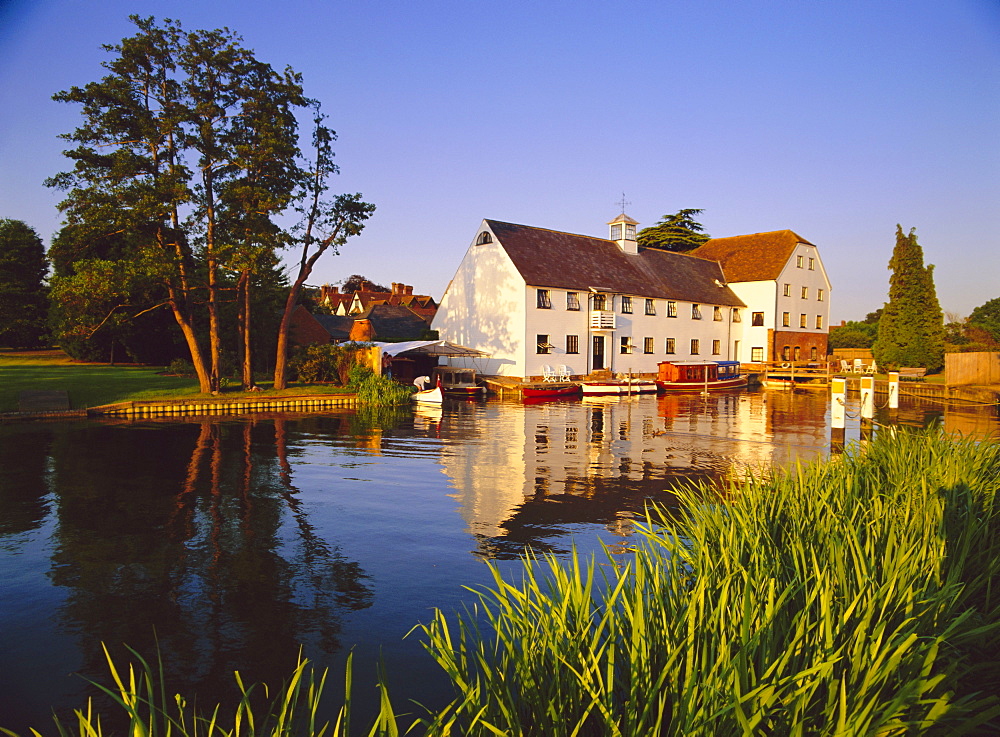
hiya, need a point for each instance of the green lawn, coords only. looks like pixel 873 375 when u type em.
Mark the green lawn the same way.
pixel 93 384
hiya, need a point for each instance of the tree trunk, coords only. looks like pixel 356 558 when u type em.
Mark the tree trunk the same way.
pixel 243 292
pixel 281 356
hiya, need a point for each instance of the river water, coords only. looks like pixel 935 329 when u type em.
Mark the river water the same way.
pixel 233 542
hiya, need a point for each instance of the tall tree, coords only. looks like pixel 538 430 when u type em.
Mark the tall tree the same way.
pixel 22 285
pixel 911 329
pixel 678 232
pixel 326 225
pixel 191 142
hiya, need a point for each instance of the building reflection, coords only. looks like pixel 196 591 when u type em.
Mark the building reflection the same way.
pixel 604 459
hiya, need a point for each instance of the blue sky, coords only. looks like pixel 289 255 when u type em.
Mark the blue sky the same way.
pixel 837 120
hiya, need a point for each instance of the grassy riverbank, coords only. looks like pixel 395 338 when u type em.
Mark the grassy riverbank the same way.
pixel 93 384
pixel 855 596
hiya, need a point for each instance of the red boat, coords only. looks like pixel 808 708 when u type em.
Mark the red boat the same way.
pixel 549 391
pixel 696 376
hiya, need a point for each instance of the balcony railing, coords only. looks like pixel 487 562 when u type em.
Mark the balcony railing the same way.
pixel 602 320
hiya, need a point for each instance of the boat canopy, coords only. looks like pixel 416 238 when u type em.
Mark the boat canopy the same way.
pixel 428 348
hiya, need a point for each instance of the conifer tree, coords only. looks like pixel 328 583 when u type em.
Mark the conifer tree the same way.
pixel 911 330
pixel 23 298
pixel 678 232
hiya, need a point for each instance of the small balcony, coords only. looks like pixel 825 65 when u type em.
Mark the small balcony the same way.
pixel 602 320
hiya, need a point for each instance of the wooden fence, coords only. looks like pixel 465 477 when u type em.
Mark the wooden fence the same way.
pixel 849 354
pixel 962 369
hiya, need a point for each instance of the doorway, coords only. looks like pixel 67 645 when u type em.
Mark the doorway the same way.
pixel 598 354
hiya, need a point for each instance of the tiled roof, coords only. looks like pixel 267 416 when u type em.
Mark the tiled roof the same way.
pixel 390 321
pixel 339 326
pixel 549 258
pixel 755 257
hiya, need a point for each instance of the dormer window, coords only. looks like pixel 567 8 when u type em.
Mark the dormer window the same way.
pixel 484 238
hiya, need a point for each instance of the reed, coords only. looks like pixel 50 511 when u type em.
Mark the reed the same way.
pixel 143 707
pixel 844 598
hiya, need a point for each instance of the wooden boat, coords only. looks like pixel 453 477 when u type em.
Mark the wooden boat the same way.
pixel 699 376
pixel 792 376
pixel 619 386
pixel 457 382
pixel 550 391
pixel 429 396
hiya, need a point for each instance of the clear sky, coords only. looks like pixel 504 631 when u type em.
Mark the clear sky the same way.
pixel 837 120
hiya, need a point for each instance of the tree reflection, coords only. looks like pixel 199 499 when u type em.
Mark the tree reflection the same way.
pixel 23 458
pixel 193 537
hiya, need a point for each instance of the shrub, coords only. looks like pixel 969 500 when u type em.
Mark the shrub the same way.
pixel 329 363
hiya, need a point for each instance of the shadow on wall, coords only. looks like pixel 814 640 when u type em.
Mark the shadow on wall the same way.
pixel 484 309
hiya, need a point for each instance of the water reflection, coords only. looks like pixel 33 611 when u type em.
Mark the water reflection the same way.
pixel 192 536
pixel 237 540
pixel 602 460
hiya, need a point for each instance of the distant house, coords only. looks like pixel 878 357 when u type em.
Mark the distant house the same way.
pixel 780 276
pixel 378 322
pixel 356 302
pixel 531 297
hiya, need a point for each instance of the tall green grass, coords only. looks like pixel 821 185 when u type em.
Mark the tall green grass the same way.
pixel 852 597
pixel 859 596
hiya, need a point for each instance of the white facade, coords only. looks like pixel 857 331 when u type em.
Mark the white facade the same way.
pixel 522 327
pixel 787 317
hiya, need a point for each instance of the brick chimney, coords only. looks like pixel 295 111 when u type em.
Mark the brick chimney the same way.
pixel 408 287
pixel 362 331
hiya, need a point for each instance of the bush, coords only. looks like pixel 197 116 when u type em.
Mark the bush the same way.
pixel 329 363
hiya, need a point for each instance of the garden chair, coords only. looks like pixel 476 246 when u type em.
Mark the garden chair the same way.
pixel 548 373
pixel 564 373
pixel 858 366
pixel 872 368
pixel 845 366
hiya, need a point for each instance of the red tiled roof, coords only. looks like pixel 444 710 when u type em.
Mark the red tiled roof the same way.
pixel 755 257
pixel 549 258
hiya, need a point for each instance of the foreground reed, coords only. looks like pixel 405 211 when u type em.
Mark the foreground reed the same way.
pixel 851 597
pixel 859 596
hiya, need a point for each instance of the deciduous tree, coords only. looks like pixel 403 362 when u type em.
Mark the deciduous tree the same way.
pixel 911 329
pixel 190 144
pixel 677 232
pixel 987 317
pixel 326 226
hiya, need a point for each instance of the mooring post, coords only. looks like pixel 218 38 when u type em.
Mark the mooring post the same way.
pixel 838 413
pixel 867 397
pixel 893 390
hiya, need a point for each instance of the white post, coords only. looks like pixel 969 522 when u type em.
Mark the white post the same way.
pixel 867 397
pixel 838 408
pixel 838 413
pixel 893 390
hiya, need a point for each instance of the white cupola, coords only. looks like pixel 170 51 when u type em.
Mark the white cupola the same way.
pixel 623 233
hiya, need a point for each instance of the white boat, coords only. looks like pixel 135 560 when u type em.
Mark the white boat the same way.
pixel 619 386
pixel 429 396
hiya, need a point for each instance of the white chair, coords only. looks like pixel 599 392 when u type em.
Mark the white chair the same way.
pixel 871 368
pixel 564 373
pixel 858 366
pixel 548 373
pixel 845 367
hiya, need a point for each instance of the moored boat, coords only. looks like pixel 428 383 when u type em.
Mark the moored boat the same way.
pixel 457 382
pixel 699 376
pixel 619 386
pixel 549 391
pixel 429 396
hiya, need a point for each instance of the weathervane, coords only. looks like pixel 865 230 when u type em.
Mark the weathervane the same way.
pixel 624 202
